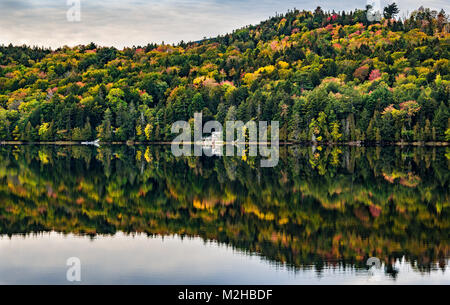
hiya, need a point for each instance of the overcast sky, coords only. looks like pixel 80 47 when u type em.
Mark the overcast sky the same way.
pixel 122 23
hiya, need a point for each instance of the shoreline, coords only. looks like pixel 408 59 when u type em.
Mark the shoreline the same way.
pixel 131 143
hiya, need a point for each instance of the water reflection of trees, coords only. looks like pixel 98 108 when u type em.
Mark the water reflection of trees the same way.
pixel 319 206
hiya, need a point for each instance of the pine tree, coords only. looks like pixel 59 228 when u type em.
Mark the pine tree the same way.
pixel 390 11
pixel 440 122
pixel 426 133
pixel 416 135
pixel 372 128
pixel 86 132
pixel 105 129
pixel 27 135
pixel 295 133
pixel 76 134
pixel 377 135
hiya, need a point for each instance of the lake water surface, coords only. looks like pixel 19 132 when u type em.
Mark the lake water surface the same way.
pixel 138 215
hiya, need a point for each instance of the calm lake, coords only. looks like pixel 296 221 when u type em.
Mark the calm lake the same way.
pixel 139 215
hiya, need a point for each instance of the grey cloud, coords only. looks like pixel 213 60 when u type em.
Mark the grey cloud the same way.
pixel 14 4
pixel 137 22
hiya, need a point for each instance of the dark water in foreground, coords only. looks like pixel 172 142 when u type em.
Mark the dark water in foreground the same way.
pixel 139 215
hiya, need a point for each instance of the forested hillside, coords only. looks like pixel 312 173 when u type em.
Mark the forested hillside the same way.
pixel 324 75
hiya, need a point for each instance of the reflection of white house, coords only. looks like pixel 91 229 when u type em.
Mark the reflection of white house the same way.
pixel 217 150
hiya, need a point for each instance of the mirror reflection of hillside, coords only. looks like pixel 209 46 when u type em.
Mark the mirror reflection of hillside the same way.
pixel 320 206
